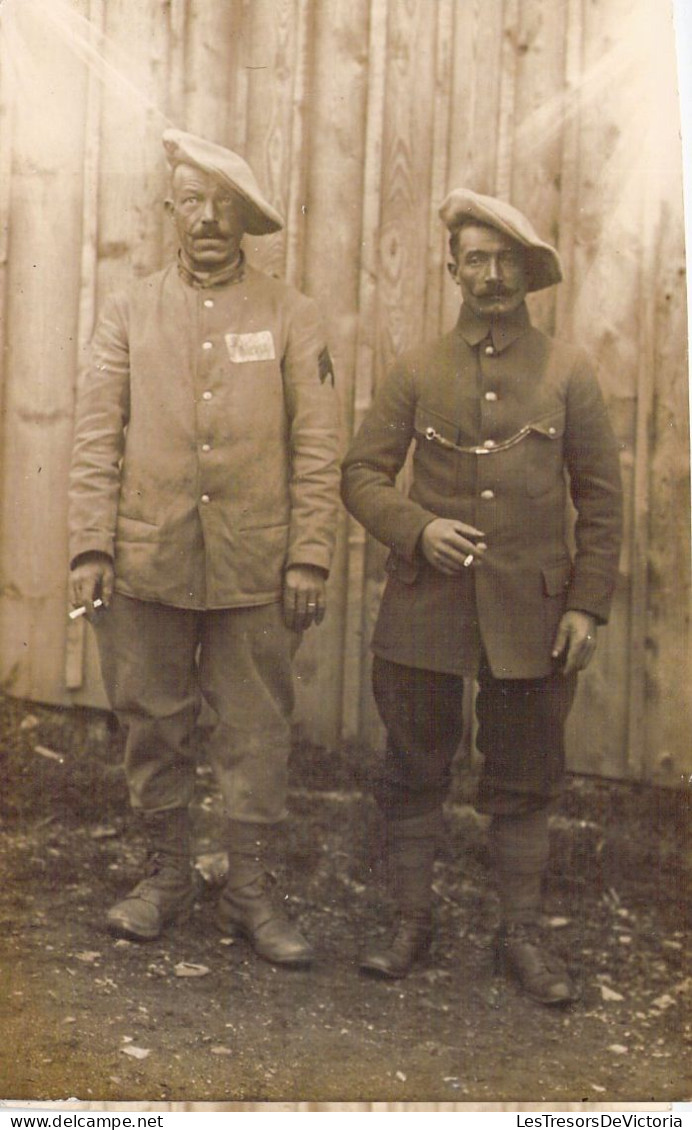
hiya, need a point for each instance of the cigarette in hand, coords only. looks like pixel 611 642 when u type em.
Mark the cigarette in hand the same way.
pixel 468 560
pixel 81 611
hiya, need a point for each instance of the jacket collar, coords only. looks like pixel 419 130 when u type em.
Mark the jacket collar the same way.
pixel 501 331
pixel 205 280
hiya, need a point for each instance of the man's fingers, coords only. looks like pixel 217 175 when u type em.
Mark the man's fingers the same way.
pixel 301 609
pixel 580 652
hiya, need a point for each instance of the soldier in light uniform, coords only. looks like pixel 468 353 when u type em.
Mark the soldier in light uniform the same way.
pixel 203 504
pixel 504 421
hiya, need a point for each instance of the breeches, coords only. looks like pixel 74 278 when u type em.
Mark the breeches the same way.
pixel 160 664
pixel 521 726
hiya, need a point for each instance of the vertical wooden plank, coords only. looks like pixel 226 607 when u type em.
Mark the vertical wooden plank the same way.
pixel 270 57
pixel 668 720
pixel 478 40
pixel 133 234
pixel 507 80
pixel 539 122
pixel 614 268
pixel 639 550
pixel 668 754
pixel 212 48
pixel 403 235
pixel 437 256
pixel 569 168
pixel 76 630
pixel 206 87
pixel 334 131
pixel 6 151
pixel 41 353
pixel 355 654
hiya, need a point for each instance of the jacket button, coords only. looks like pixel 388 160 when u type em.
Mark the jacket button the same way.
pixel 489 351
pixel 206 447
pixel 487 494
pixel 205 498
pixel 490 396
pixel 207 395
pixel 209 302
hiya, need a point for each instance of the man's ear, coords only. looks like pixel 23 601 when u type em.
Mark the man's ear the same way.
pixel 168 205
pixel 452 268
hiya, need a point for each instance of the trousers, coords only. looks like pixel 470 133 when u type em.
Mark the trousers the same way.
pixel 521 726
pixel 161 664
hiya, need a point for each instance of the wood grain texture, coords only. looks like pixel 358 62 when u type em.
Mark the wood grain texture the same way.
pixel 358 622
pixel 357 119
pixel 330 223
pixel 42 302
pixel 402 244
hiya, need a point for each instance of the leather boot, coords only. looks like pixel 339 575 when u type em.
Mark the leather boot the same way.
pixel 520 845
pixel 411 855
pixel 521 951
pixel 167 891
pixel 246 905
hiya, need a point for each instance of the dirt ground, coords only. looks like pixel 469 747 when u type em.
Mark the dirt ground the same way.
pixel 194 1016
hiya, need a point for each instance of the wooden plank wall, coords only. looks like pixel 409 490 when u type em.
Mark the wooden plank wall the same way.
pixel 357 116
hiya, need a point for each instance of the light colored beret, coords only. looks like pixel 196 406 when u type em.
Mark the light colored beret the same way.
pixel 186 149
pixel 461 206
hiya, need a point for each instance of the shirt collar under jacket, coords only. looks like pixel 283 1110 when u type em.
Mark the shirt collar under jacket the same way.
pixel 502 331
pixel 204 280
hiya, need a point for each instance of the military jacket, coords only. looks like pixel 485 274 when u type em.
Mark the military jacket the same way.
pixel 505 422
pixel 206 454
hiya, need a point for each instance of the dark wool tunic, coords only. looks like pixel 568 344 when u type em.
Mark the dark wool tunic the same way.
pixel 507 424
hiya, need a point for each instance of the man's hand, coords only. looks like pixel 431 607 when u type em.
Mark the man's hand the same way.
pixel 305 588
pixel 92 578
pixel 452 546
pixel 576 640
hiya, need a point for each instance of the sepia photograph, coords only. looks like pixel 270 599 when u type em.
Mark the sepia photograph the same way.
pixel 345 556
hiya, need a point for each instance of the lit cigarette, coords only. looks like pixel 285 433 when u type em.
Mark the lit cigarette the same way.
pixel 468 561
pixel 81 611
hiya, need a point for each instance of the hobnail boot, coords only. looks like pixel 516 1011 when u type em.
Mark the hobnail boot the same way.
pixel 521 951
pixel 165 895
pixel 251 912
pixel 410 944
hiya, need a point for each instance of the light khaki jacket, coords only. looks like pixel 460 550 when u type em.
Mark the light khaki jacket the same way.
pixel 206 446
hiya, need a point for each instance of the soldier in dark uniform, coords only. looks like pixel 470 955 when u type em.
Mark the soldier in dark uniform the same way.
pixel 505 421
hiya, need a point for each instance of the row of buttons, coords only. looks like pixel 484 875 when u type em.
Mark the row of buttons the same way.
pixel 208 302
pixel 207 395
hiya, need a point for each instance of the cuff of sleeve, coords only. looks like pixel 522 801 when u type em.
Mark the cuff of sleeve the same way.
pixel 316 558
pixel 409 546
pixel 592 593
pixel 90 543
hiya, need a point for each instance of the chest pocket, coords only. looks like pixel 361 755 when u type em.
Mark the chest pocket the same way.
pixel 436 462
pixel 544 454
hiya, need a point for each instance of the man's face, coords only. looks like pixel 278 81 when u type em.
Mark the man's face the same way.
pixel 490 270
pixel 207 217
